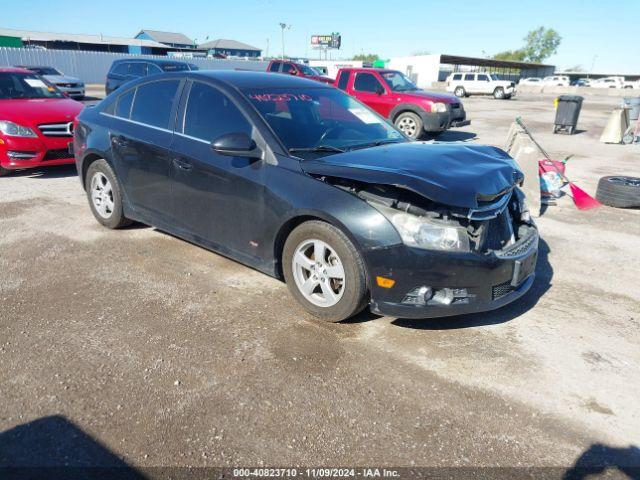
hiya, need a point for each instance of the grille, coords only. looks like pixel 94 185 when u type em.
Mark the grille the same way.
pixel 455 106
pixel 58 154
pixel 501 290
pixel 518 249
pixel 67 85
pixel 57 129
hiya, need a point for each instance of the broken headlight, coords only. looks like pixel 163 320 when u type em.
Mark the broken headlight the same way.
pixel 422 232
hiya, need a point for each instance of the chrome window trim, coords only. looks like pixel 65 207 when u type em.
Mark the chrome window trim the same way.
pixel 137 123
pixel 184 135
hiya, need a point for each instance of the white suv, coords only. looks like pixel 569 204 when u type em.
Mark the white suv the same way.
pixel 632 84
pixel 608 82
pixel 556 81
pixel 465 84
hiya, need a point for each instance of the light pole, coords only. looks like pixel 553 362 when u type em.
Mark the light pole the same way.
pixel 283 26
pixel 593 64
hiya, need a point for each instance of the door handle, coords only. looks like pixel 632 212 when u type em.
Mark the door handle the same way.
pixel 119 141
pixel 182 165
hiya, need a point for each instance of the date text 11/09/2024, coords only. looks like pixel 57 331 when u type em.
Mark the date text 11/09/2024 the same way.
pixel 316 472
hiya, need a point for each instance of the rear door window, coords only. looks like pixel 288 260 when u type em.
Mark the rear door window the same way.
pixel 288 68
pixel 469 77
pixel 138 69
pixel 153 69
pixel 343 80
pixel 120 69
pixel 367 82
pixel 124 102
pixel 210 114
pixel 275 66
pixel 153 103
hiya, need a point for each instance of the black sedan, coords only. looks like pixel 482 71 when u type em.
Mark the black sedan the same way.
pixel 303 182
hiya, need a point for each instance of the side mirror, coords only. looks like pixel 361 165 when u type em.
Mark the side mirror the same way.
pixel 293 72
pixel 380 90
pixel 236 145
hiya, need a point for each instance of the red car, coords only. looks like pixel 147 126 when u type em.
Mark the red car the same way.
pixel 297 69
pixel 36 122
pixel 395 97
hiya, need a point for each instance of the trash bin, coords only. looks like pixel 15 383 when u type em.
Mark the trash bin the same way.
pixel 633 104
pixel 567 113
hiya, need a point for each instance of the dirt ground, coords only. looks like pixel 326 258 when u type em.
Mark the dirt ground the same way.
pixel 135 348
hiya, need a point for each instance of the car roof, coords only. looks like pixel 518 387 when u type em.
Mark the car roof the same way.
pixel 14 70
pixel 152 60
pixel 27 67
pixel 249 79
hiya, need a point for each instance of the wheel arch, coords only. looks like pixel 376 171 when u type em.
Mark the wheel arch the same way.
pixel 89 158
pixel 406 107
pixel 298 219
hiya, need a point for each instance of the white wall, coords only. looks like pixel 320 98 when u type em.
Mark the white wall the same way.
pixel 422 69
pixel 333 66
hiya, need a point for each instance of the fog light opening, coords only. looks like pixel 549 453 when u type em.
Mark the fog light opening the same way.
pixel 443 296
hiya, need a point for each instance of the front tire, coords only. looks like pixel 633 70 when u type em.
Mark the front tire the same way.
pixel 498 93
pixel 4 172
pixel 460 92
pixel 410 124
pixel 324 271
pixel 105 195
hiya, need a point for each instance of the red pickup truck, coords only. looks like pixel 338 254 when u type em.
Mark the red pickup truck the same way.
pixel 395 97
pixel 297 69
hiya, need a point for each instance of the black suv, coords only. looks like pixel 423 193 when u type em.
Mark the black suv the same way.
pixel 123 71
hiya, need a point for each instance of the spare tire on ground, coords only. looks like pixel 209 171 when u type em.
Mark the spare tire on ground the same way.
pixel 619 191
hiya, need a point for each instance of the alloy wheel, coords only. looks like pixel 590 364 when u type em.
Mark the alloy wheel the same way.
pixel 408 126
pixel 102 195
pixel 318 273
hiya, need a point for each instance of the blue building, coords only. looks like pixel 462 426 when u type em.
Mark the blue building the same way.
pixel 229 48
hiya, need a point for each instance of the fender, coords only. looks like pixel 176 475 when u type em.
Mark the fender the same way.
pixel 406 107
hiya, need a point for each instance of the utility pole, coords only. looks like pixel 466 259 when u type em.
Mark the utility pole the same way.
pixel 593 64
pixel 283 26
pixel 267 54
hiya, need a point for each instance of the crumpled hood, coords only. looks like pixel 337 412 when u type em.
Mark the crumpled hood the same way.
pixel 451 174
pixel 55 79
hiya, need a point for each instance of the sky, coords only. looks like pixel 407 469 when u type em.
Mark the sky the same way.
pixel 593 32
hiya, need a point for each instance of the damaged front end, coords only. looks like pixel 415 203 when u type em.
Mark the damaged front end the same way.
pixel 452 259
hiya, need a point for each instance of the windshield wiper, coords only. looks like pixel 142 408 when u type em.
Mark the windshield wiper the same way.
pixel 375 144
pixel 317 148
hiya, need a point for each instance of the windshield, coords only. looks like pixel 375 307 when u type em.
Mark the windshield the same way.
pixel 308 70
pixel 398 82
pixel 25 85
pixel 321 119
pixel 175 67
pixel 44 70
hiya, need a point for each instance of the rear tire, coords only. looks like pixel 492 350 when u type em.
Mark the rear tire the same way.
pixel 314 280
pixel 410 124
pixel 498 93
pixel 619 191
pixel 105 195
pixel 460 92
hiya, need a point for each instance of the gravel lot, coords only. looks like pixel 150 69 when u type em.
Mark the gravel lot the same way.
pixel 135 348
